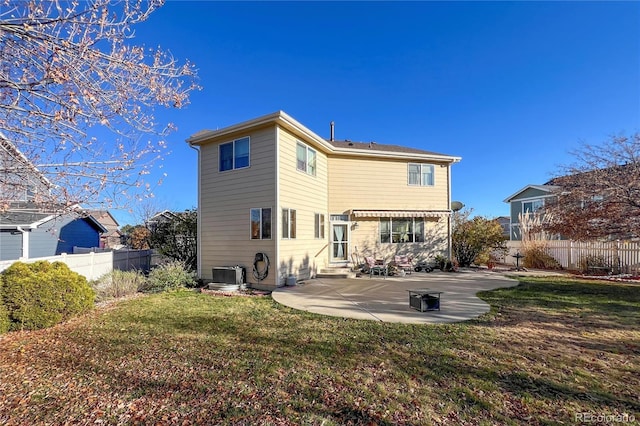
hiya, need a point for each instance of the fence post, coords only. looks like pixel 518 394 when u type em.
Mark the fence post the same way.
pixel 570 255
pixel 92 259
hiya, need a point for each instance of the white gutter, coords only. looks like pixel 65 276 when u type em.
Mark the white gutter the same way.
pixel 275 233
pixel 449 219
pixel 199 221
pixel 392 154
pixel 286 121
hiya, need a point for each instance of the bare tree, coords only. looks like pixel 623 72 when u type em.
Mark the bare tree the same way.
pixel 65 67
pixel 598 195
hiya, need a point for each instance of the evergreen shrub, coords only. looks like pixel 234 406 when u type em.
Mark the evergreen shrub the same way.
pixel 4 319
pixel 42 294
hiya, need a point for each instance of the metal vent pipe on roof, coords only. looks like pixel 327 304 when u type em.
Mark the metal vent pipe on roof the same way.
pixel 332 124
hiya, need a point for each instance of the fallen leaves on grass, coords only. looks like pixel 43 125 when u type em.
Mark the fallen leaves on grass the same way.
pixel 188 358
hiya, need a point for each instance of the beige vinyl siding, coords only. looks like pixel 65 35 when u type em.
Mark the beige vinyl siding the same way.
pixel 363 183
pixel 365 241
pixel 304 255
pixel 382 184
pixel 226 199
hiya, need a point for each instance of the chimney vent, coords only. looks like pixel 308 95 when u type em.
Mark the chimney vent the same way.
pixel 332 124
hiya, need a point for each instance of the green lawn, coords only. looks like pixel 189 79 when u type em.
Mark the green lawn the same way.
pixel 546 352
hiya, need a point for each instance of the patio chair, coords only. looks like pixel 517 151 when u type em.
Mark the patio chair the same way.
pixel 403 263
pixel 375 267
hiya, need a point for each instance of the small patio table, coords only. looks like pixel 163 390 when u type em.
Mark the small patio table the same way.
pixel 423 299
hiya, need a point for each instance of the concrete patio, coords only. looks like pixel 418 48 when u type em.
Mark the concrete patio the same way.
pixel 387 300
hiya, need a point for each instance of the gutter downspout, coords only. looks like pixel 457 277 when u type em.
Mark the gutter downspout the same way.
pixel 277 213
pixel 450 217
pixel 198 232
pixel 25 242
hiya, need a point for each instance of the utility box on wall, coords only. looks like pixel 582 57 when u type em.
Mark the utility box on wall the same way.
pixel 229 274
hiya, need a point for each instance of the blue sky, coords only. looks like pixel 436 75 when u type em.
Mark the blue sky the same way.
pixel 511 87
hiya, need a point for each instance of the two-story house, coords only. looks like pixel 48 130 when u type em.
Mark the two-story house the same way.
pixel 529 200
pixel 272 193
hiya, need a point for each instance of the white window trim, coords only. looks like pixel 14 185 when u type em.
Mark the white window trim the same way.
pixel 319 226
pixel 413 229
pixel 261 224
pixel 420 165
pixel 233 154
pixel 306 159
pixel 289 227
pixel 532 200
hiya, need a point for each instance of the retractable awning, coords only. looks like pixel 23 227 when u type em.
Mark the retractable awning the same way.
pixel 401 213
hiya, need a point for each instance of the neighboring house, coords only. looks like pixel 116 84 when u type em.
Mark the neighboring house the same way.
pixel 160 218
pixel 272 186
pixel 20 180
pixel 27 231
pixel 505 223
pixel 528 200
pixel 113 237
pixel 30 225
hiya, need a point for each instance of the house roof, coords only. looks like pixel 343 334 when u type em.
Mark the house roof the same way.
pixel 24 218
pixel 331 147
pixel 30 217
pixel 377 147
pixel 165 214
pixel 103 214
pixel 558 182
pixel 545 188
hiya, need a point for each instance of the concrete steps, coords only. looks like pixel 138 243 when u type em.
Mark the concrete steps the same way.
pixel 336 273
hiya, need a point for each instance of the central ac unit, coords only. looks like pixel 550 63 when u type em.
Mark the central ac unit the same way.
pixel 229 275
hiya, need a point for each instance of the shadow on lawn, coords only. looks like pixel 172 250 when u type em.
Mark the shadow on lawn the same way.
pixel 523 385
pixel 246 357
pixel 612 305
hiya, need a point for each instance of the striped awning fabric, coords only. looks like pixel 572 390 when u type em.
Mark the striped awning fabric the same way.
pixel 400 213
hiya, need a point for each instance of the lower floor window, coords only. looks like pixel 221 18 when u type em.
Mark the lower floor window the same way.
pixel 319 225
pixel 288 223
pixel 402 230
pixel 260 224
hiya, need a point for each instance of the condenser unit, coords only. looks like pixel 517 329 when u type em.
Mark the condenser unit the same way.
pixel 229 274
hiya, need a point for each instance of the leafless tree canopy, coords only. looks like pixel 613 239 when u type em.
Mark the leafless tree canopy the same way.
pixel 599 195
pixel 66 66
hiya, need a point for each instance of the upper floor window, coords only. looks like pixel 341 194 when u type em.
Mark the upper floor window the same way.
pixel 532 206
pixel 402 230
pixel 421 174
pixel 234 155
pixel 306 159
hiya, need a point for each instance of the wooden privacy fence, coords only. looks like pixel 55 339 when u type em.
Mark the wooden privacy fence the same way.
pixel 620 256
